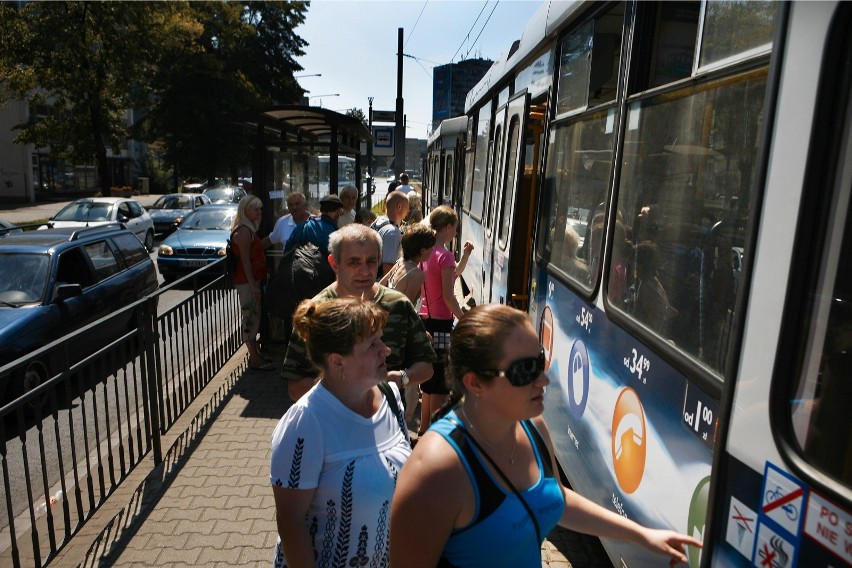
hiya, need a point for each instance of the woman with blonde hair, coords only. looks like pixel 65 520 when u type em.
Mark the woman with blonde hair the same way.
pixel 250 274
pixel 338 450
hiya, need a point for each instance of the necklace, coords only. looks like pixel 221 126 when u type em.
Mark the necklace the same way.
pixel 510 456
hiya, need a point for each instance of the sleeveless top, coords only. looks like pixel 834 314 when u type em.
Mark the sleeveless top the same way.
pixel 395 278
pixel 501 532
pixel 257 256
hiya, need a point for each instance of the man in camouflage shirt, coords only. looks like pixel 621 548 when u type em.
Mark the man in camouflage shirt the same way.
pixel 355 254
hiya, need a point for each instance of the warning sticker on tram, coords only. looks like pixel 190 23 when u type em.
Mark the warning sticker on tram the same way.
pixel 742 525
pixel 830 526
pixel 782 500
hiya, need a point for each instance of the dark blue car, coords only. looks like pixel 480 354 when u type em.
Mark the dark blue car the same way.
pixel 55 281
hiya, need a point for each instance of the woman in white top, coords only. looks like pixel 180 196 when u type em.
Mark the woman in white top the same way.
pixel 337 451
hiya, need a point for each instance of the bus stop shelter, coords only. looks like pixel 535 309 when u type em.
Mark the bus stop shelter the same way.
pixel 303 148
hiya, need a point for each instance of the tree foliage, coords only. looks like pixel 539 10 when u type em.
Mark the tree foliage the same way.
pixel 197 67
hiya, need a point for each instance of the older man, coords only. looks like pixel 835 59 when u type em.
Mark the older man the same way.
pixel 297 206
pixel 349 197
pixel 355 255
pixel 317 229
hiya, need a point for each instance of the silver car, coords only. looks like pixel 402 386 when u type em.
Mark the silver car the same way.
pixel 93 211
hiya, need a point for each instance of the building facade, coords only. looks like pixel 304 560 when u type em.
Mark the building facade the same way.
pixel 450 85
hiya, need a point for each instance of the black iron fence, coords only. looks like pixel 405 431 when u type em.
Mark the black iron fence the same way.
pixel 107 394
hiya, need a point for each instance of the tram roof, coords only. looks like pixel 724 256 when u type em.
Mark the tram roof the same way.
pixel 541 27
pixel 449 127
pixel 308 126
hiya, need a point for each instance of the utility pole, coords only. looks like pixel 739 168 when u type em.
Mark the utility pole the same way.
pixel 370 156
pixel 399 131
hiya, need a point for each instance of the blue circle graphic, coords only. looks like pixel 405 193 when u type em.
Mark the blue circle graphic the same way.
pixel 578 379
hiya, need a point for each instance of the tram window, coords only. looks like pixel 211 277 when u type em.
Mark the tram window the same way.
pixel 820 400
pixel 448 180
pixel 511 174
pixel 576 180
pixel 480 164
pixel 673 50
pixel 575 63
pixel 686 182
pixel 606 55
pixel 735 27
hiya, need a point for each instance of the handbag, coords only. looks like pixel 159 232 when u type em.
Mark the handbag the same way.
pixel 439 329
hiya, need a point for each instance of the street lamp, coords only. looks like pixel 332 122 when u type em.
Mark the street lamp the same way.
pixel 303 76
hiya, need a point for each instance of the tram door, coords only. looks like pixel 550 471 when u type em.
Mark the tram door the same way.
pixel 512 234
pixel 493 190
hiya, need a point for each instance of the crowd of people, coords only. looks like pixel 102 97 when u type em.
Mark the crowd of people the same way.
pixel 477 485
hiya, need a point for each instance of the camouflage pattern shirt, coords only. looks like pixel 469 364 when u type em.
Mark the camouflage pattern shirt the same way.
pixel 403 333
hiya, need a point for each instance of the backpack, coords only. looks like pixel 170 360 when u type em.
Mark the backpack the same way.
pixel 302 273
pixel 231 260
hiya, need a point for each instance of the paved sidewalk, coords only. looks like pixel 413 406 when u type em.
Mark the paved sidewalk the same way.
pixel 209 503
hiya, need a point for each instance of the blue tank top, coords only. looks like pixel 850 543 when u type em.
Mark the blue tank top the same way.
pixel 501 532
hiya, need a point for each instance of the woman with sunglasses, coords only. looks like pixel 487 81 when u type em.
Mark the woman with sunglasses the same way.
pixel 493 488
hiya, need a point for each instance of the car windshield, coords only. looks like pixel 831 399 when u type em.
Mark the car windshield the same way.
pixel 215 219
pixel 84 211
pixel 173 202
pixel 215 194
pixel 22 278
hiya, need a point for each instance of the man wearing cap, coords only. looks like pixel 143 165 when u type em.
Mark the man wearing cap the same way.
pixel 316 230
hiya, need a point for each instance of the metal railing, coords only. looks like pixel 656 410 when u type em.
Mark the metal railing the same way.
pixel 66 445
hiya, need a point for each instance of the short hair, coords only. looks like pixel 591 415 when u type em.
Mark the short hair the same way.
pixel 403 176
pixel 416 238
pixel 365 216
pixel 295 194
pixel 571 242
pixel 352 233
pixel 335 326
pixel 394 198
pixel 348 190
pixel 442 216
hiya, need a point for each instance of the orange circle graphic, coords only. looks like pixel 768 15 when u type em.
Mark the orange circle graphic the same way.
pixel 629 440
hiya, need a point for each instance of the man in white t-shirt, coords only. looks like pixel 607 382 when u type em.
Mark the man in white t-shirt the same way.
pixel 297 205
pixel 403 183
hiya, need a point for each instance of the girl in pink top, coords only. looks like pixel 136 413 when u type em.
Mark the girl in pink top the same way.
pixel 440 304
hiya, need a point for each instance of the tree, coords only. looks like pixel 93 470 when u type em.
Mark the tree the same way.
pixel 242 58
pixel 197 66
pixel 84 77
pixel 359 114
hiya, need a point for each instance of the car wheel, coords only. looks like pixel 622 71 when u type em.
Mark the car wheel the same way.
pixel 149 241
pixel 33 375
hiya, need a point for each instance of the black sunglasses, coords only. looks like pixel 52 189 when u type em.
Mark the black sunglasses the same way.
pixel 522 372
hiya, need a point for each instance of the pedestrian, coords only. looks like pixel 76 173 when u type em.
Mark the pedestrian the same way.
pixel 483 479
pixel 355 251
pixel 365 217
pixel 440 305
pixel 317 229
pixel 250 274
pixel 336 453
pixel 297 207
pixel 396 206
pixel 407 277
pixel 349 196
pixel 403 183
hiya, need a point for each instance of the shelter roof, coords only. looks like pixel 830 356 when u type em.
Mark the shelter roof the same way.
pixel 299 125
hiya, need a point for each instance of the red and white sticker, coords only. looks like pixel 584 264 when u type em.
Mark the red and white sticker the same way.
pixel 830 526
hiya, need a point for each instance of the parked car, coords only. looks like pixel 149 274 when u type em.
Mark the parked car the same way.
pixel 199 240
pixel 93 211
pixel 55 281
pixel 169 210
pixel 7 227
pixel 225 194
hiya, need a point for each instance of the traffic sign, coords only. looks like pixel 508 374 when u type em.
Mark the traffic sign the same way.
pixel 384 116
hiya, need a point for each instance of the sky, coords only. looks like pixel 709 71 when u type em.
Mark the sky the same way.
pixel 353 45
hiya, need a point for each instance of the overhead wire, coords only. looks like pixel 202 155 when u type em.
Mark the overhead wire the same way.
pixel 415 23
pixel 482 29
pixel 467 36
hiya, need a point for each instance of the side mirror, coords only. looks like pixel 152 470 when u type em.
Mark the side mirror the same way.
pixel 122 218
pixel 65 291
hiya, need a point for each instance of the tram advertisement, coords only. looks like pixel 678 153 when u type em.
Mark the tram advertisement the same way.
pixel 631 432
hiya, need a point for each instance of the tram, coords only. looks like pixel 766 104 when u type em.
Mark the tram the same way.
pixel 665 188
pixel 443 166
